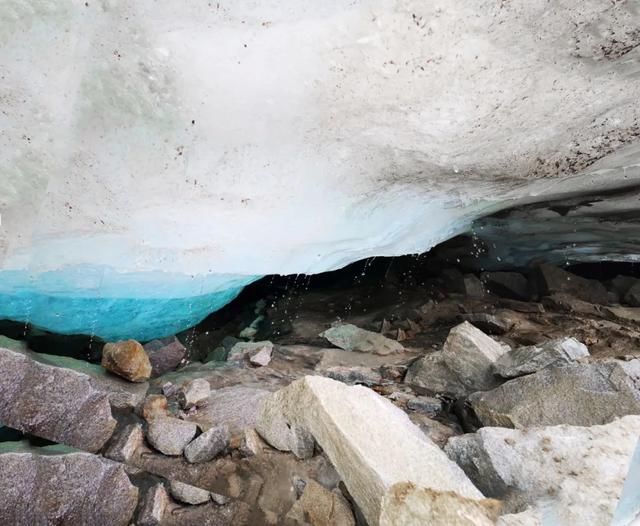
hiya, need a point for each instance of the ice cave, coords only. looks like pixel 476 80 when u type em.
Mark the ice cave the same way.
pixel 283 226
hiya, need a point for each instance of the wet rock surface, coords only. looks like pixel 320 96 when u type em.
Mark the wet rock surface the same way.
pixel 339 414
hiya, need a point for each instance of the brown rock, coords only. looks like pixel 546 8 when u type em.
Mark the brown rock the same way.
pixel 127 359
pixel 320 507
pixel 155 406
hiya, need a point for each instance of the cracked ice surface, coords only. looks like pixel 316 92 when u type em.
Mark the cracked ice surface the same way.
pixel 157 156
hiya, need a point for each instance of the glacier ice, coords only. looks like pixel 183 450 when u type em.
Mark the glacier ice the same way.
pixel 157 156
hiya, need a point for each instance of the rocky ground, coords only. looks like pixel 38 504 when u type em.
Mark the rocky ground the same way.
pixel 447 399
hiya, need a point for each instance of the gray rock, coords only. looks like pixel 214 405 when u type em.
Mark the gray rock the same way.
pixel 572 475
pixel 208 445
pixel 352 338
pixel 575 394
pixel 527 360
pixel 556 280
pixel 41 486
pixel 187 493
pixel 511 285
pixel 352 375
pixel 425 404
pixel 170 435
pixel 164 354
pixel 54 403
pixel 632 297
pixel 473 286
pixel 464 365
pixel 153 506
pixel 125 443
pixel 243 351
pixel 498 323
pixel 237 407
pixel 194 393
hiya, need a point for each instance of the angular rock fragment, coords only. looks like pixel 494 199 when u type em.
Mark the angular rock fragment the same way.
pixel 127 359
pixel 154 406
pixel 352 375
pixel 194 393
pixel 208 445
pixel 575 394
pixel 262 357
pixel 125 443
pixel 164 354
pixel 352 338
pixel 45 486
pixel 464 365
pixel 555 280
pixel 527 360
pixel 170 435
pixel 373 446
pixel 425 404
pixel 242 351
pixel 54 403
pixel 153 506
pixel 511 285
pixel 320 507
pixel 572 475
pixel 188 494
pixel 498 323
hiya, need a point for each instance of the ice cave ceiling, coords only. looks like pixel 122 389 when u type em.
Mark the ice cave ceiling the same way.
pixel 158 156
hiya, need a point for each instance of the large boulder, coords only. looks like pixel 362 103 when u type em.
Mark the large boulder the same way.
pixel 576 394
pixel 59 404
pixel 574 475
pixel 527 360
pixel 632 297
pixel 508 284
pixel 379 454
pixel 464 365
pixel 552 280
pixel 52 486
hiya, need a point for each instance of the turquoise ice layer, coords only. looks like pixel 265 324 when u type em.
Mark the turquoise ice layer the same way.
pixel 102 302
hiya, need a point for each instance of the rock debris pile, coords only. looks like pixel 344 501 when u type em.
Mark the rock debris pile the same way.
pixel 501 398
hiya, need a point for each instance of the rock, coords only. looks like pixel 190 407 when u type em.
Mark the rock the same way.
pixel 242 351
pixel 194 393
pixel 170 435
pixel 632 297
pixel 553 279
pixel 529 517
pixel 568 303
pixel 464 365
pixel 153 506
pixel 252 444
pixel 187 493
pixel 165 354
pixel 527 360
pixel 58 404
pixel 127 359
pixel 574 475
pixel 498 323
pixel 352 375
pixel 624 313
pixel 436 431
pixel 318 506
pixel 125 443
pixel 620 285
pixel 511 285
pixel 352 338
pixel 155 406
pixel 262 358
pixel 208 445
pixel 372 444
pixel 473 286
pixel 425 404
pixel 575 394
pixel 237 407
pixel 45 486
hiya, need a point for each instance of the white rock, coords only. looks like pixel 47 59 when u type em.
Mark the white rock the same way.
pixel 246 350
pixel 262 357
pixel 170 435
pixel 374 447
pixel 352 338
pixel 187 493
pixel 194 393
pixel 572 475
